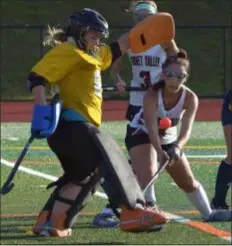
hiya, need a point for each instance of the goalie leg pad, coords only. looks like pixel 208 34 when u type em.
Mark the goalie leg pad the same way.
pixel 45 214
pixel 117 177
pixel 81 200
pixel 57 221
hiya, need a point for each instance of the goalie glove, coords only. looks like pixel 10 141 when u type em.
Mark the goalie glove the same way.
pixel 45 119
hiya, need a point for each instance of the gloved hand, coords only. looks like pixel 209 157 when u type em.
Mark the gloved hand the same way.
pixel 45 119
pixel 121 86
pixel 174 153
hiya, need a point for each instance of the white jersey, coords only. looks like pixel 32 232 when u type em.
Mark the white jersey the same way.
pixel 146 70
pixel 175 114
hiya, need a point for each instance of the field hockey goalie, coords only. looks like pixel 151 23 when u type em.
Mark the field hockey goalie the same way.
pixel 114 174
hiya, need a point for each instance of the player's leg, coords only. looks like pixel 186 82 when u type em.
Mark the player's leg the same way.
pixel 224 174
pixel 144 163
pixel 73 145
pixel 182 174
pixel 132 110
pixel 143 158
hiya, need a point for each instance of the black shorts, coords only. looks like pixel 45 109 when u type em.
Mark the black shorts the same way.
pixel 139 138
pixel 74 145
pixel 226 116
pixel 132 110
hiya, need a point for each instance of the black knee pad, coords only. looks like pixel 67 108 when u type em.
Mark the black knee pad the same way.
pixel 81 200
pixel 78 203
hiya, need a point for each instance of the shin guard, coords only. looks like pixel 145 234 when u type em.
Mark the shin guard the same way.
pixel 57 221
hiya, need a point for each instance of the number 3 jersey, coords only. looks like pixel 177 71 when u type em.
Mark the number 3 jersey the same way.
pixel 146 70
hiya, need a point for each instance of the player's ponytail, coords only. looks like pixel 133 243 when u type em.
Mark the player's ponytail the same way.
pixel 182 54
pixel 54 36
pixel 180 58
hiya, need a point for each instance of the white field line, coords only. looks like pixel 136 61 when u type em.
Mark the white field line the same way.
pixel 177 218
pixel 42 175
pixel 206 156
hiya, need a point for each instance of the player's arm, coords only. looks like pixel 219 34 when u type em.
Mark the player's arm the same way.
pixel 116 69
pixel 49 70
pixel 170 47
pixel 118 48
pixel 36 85
pixel 123 43
pixel 153 30
pixel 115 74
pixel 45 117
pixel 151 118
pixel 187 120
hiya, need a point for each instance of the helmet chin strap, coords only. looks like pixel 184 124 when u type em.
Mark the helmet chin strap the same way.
pixel 78 43
pixel 81 42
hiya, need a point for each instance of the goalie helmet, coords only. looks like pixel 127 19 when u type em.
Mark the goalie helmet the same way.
pixel 87 19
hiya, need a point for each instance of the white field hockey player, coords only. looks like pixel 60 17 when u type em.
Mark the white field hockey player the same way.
pixel 169 98
pixel 146 71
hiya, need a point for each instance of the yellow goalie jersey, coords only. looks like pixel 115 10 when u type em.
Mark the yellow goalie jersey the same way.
pixel 78 76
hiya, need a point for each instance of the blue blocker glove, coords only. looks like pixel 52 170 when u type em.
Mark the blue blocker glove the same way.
pixel 45 119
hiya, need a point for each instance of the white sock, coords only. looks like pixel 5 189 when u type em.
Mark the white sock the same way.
pixel 200 199
pixel 150 194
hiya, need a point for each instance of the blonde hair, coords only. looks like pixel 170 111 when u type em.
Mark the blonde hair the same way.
pixel 135 3
pixel 55 35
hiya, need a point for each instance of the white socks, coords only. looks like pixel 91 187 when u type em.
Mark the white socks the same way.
pixel 200 199
pixel 150 194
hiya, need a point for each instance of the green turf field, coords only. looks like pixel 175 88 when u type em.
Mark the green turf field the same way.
pixel 20 207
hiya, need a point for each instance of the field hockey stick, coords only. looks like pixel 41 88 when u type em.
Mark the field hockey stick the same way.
pixel 158 172
pixel 8 185
pixel 114 89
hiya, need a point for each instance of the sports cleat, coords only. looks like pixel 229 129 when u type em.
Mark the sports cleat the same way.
pixel 53 227
pixel 141 219
pixel 105 220
pixel 58 226
pixel 220 215
pixel 41 222
pixel 153 206
pixel 215 205
pixel 54 232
